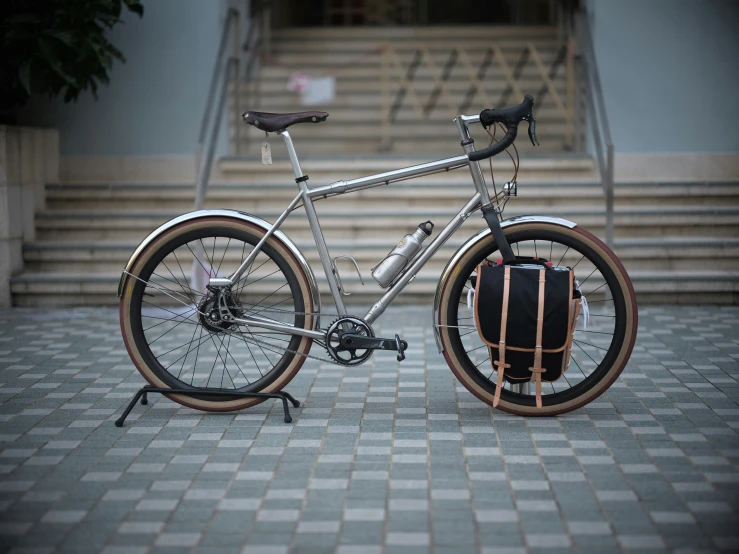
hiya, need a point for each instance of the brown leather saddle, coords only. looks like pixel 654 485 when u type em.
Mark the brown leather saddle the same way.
pixel 272 122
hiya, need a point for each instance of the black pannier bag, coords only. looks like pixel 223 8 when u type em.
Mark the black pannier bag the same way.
pixel 526 314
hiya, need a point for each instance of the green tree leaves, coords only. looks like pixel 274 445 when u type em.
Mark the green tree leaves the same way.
pixel 54 47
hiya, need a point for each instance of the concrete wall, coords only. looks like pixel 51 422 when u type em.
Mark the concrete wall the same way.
pixel 669 73
pixel 155 100
pixel 29 158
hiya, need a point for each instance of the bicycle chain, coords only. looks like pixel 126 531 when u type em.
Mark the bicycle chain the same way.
pixel 272 347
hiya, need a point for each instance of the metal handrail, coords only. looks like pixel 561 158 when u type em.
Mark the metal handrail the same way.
pixel 202 169
pixel 394 69
pixel 225 72
pixel 232 65
pixel 597 116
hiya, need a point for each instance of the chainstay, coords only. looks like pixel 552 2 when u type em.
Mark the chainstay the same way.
pixel 271 347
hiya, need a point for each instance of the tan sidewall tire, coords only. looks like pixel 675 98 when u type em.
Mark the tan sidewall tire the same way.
pixel 125 310
pixel 623 356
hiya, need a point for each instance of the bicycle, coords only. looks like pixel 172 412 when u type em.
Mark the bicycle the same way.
pixel 260 311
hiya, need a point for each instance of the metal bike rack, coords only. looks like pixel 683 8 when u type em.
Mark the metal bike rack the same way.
pixel 148 389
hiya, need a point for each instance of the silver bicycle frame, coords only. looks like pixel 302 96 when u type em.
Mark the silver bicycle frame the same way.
pixel 307 195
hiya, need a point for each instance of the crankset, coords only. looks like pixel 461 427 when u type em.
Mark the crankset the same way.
pixel 351 341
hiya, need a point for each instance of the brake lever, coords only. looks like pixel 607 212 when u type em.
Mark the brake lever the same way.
pixel 532 132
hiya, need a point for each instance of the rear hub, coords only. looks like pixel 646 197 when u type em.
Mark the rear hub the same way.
pixel 218 310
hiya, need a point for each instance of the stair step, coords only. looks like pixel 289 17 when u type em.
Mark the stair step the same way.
pixel 106 225
pixel 440 32
pixel 366 84
pixel 31 289
pixel 345 61
pixel 636 254
pixel 433 189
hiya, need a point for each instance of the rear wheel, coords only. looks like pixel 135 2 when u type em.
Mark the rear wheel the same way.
pixel 165 313
pixel 600 350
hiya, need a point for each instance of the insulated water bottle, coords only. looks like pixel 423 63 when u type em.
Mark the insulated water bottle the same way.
pixel 389 268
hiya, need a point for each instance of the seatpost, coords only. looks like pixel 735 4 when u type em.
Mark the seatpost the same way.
pixel 291 153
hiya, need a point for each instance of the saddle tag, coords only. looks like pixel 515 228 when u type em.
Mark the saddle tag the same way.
pixel 266 152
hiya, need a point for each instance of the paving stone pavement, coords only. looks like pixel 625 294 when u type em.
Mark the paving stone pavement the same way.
pixel 384 457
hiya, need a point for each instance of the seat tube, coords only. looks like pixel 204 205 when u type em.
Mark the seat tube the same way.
pixel 328 266
pixel 315 226
pixel 468 144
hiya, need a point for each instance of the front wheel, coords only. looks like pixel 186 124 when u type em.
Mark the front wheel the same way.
pixel 601 348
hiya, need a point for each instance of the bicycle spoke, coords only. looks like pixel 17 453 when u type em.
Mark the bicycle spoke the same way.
pixel 237 363
pixel 563 256
pixel 189 322
pixel 594 346
pixel 213 258
pixel 196 358
pixel 246 277
pixel 589 276
pixel 198 259
pixel 200 341
pixel 174 253
pixel 224 255
pixel 586 353
pixel 166 310
pixel 166 332
pixel 207 259
pixel 175 282
pixel 478 348
pixel 189 349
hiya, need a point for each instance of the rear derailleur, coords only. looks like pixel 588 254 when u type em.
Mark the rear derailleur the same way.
pixel 351 341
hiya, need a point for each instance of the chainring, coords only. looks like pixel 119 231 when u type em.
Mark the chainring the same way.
pixel 341 354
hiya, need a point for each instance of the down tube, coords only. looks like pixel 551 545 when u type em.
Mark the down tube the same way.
pixel 380 306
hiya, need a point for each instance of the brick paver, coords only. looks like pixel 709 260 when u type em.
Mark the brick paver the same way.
pixel 384 457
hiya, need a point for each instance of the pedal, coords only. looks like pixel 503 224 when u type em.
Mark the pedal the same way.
pixel 362 342
pixel 401 345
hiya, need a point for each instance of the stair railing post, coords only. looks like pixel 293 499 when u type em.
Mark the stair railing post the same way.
pixel 609 195
pixel 385 80
pixel 236 87
pixel 232 12
pixel 198 278
pixel 598 120
pixel 570 140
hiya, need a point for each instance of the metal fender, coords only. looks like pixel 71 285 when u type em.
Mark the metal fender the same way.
pixel 469 244
pixel 245 217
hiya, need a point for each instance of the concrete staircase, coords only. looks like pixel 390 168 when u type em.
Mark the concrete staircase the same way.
pixel 352 56
pixel 679 241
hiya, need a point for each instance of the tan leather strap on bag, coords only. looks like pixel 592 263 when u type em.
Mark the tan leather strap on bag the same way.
pixel 573 328
pixel 537 370
pixel 500 362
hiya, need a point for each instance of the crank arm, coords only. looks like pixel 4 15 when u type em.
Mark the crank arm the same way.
pixel 362 342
